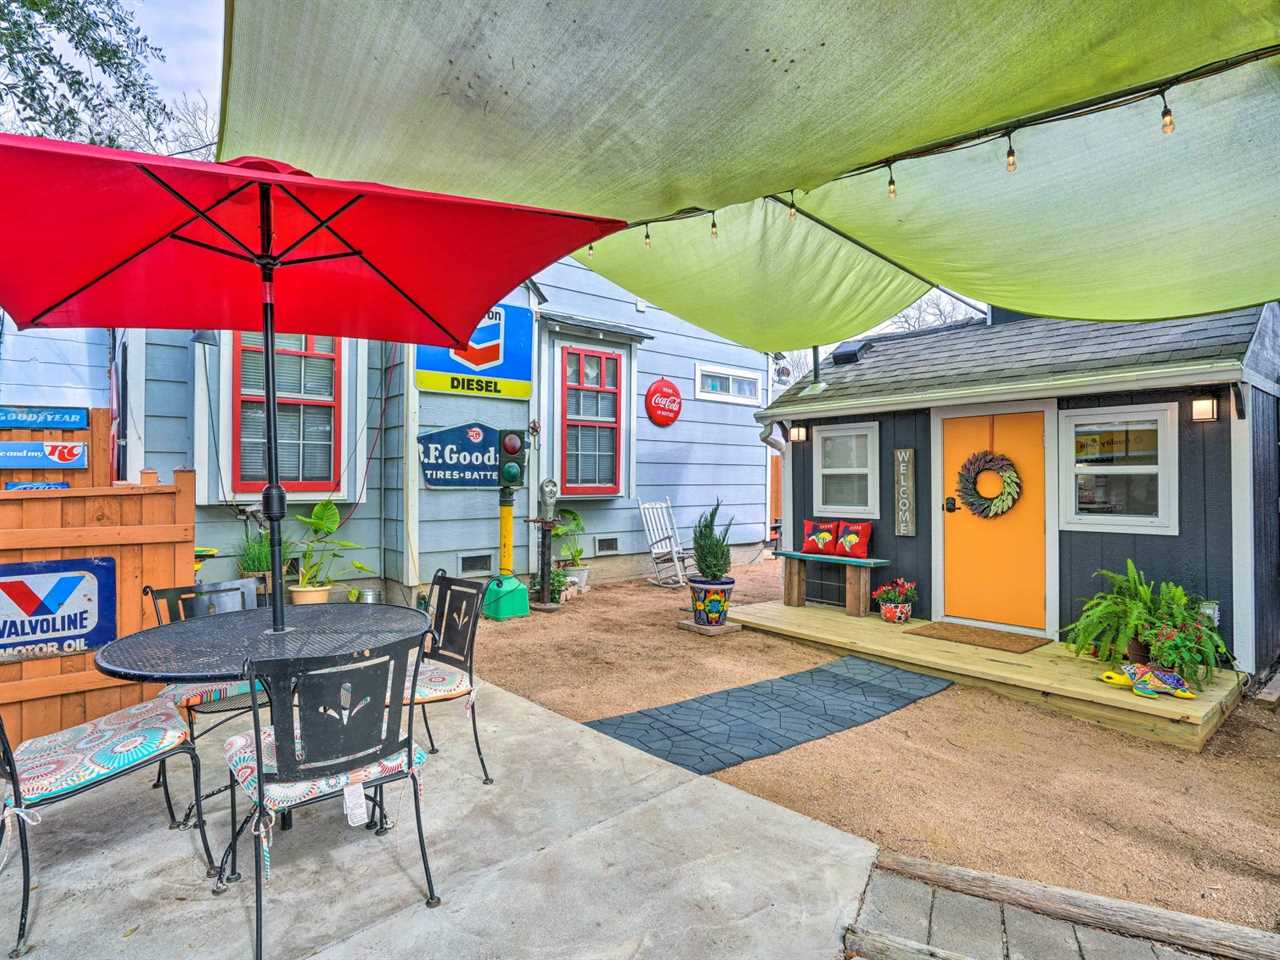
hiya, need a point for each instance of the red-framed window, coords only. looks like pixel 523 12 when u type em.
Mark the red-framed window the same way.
pixel 309 423
pixel 591 421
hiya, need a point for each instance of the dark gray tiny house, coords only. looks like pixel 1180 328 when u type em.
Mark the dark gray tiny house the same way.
pixel 1156 442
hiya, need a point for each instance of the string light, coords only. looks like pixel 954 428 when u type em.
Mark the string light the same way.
pixel 791 214
pixel 715 230
pixel 893 186
pixel 591 250
pixel 1166 115
pixel 648 240
pixel 1010 158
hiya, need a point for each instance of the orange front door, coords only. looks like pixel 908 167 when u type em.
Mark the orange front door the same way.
pixel 994 567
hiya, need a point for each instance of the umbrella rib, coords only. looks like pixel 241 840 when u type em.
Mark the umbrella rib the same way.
pixel 131 257
pixel 368 263
pixel 210 246
pixel 197 211
pixel 318 227
pixel 319 257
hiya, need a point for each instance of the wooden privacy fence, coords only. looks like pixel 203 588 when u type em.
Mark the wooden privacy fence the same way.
pixel 150 533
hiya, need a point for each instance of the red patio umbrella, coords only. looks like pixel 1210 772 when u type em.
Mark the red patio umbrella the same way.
pixel 94 237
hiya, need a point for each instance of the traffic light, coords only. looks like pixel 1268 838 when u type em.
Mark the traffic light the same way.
pixel 512 456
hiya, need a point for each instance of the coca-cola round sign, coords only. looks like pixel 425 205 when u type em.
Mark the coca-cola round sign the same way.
pixel 662 402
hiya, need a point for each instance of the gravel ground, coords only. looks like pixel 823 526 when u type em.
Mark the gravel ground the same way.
pixel 965 777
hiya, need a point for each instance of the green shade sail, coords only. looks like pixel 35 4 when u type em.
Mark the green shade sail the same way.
pixel 645 109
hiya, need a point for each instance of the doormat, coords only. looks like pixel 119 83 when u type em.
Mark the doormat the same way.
pixel 718 730
pixel 979 636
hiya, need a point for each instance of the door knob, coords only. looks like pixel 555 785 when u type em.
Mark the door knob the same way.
pixel 950 505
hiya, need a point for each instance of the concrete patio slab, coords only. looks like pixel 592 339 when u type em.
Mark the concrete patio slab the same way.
pixel 583 848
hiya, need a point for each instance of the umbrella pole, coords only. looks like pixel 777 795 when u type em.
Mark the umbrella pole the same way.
pixel 273 498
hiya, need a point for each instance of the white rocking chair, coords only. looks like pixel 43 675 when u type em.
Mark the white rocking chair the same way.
pixel 666 551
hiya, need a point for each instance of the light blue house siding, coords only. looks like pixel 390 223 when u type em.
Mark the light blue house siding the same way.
pixel 56 368
pixel 712 451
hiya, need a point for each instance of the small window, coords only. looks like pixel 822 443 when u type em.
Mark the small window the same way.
pixel 727 384
pixel 846 470
pixel 473 564
pixel 1119 469
pixel 606 545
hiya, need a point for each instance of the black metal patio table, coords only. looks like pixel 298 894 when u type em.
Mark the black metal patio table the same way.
pixel 217 648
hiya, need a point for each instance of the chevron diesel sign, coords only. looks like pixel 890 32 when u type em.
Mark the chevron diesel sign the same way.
pixel 56 607
pixel 497 362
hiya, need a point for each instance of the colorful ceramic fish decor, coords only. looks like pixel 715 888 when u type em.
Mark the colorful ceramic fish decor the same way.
pixel 1149 681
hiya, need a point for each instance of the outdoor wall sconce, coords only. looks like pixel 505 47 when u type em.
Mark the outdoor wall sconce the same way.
pixel 798 433
pixel 1204 408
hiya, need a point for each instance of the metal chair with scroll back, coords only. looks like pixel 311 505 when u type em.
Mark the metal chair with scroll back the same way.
pixel 449 671
pixel 173 604
pixel 46 770
pixel 335 727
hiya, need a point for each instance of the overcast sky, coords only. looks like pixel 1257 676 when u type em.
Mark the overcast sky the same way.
pixel 190 34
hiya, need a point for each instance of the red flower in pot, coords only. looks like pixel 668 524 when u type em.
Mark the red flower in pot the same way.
pixel 895 599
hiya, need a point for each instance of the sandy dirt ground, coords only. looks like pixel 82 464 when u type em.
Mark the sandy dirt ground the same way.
pixel 965 777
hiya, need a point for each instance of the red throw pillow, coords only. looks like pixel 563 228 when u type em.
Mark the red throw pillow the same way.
pixel 854 540
pixel 820 536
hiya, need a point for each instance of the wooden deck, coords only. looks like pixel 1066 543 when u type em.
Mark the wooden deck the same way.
pixel 1051 675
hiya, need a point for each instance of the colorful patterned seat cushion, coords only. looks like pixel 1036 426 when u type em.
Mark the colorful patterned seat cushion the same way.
pixel 199 694
pixel 59 763
pixel 437 682
pixel 243 761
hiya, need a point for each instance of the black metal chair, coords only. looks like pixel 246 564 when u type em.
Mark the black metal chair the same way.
pixel 449 673
pixel 174 604
pixel 49 769
pixel 335 724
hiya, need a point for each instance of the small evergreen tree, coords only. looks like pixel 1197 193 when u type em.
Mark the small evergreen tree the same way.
pixel 710 549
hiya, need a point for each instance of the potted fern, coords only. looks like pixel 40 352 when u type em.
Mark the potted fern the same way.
pixel 319 552
pixel 1114 623
pixel 711 555
pixel 568 528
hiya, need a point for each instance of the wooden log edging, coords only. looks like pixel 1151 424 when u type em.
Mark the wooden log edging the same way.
pixel 865 945
pixel 1120 916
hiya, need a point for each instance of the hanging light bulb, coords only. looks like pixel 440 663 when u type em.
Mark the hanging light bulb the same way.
pixel 1010 158
pixel 591 250
pixel 791 214
pixel 715 230
pixel 893 186
pixel 1166 116
pixel 648 240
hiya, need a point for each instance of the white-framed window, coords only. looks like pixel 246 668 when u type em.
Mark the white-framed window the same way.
pixel 1119 469
pixel 727 384
pixel 846 470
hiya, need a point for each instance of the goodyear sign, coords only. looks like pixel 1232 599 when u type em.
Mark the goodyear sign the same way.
pixel 56 607
pixel 498 362
pixel 43 455
pixel 460 457
pixel 38 418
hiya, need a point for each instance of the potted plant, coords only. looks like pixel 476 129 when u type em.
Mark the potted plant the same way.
pixel 255 559
pixel 556 584
pixel 568 528
pixel 895 599
pixel 711 555
pixel 1114 622
pixel 320 551
pixel 1183 639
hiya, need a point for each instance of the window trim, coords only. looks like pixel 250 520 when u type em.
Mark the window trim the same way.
pixel 562 433
pixel 334 483
pixel 489 571
pixel 741 373
pixel 1165 523
pixel 871 429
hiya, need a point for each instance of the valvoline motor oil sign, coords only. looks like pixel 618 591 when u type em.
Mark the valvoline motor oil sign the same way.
pixel 460 457
pixel 56 607
pixel 498 362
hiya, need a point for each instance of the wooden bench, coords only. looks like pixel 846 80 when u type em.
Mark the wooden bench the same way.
pixel 857 579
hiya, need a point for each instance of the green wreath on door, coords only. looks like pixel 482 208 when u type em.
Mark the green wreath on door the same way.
pixel 967 484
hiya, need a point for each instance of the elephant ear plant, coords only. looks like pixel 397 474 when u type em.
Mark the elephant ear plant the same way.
pixel 712 557
pixel 320 551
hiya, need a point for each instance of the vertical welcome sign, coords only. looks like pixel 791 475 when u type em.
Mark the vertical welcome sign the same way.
pixel 904 492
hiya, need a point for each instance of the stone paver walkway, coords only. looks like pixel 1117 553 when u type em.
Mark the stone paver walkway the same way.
pixel 718 730
pixel 986 930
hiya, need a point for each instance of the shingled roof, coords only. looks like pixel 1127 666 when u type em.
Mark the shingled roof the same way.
pixel 1025 352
